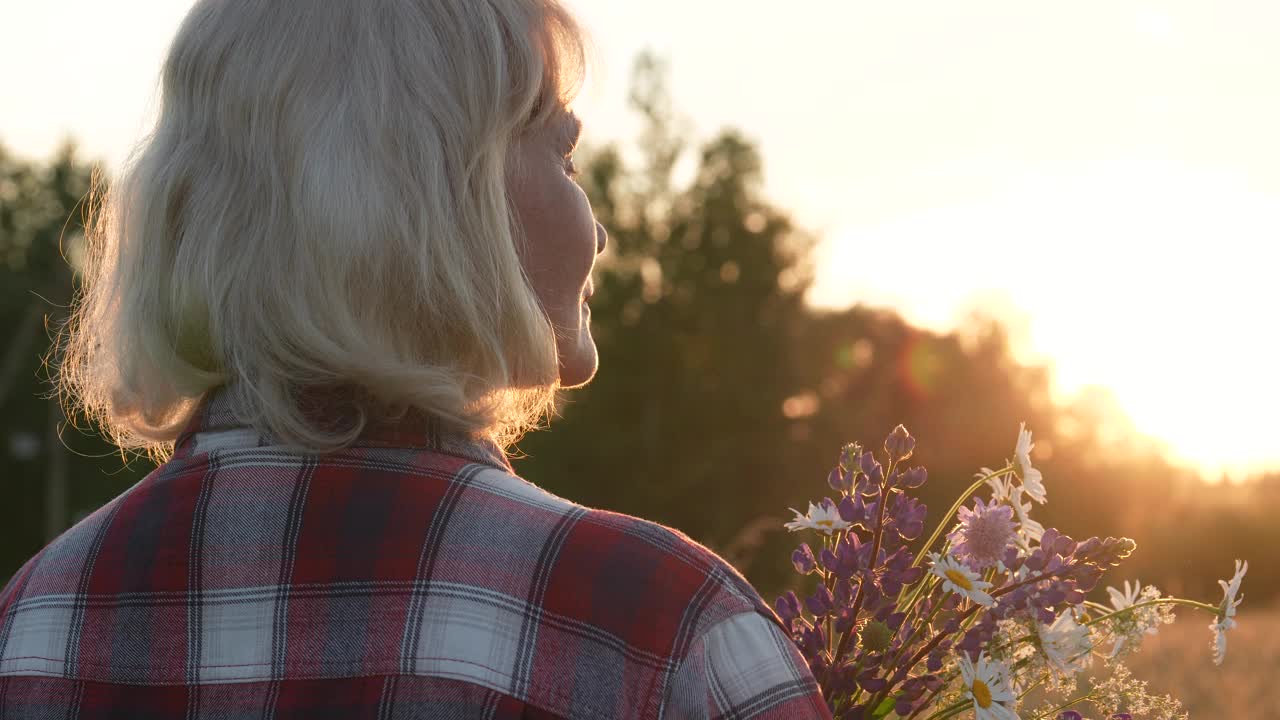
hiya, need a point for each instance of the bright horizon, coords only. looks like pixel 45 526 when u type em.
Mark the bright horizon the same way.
pixel 1103 175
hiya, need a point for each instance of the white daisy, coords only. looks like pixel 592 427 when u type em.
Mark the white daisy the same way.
pixel 1228 610
pixel 1000 486
pixel 1231 589
pixel 1122 600
pixel 1004 490
pixel 1032 480
pixel 1065 644
pixel 824 517
pixel 1029 530
pixel 985 684
pixel 1219 630
pixel 960 579
pixel 1130 627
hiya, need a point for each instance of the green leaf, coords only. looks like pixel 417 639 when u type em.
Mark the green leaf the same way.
pixel 885 707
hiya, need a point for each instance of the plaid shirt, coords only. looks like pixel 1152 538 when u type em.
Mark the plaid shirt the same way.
pixel 413 575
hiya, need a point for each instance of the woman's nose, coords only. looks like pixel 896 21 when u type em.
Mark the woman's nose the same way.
pixel 602 237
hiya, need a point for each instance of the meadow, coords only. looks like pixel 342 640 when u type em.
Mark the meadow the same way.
pixel 1246 686
pixel 701 325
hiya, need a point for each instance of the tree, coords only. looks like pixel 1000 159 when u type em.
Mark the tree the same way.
pixel 691 314
pixel 721 398
pixel 53 473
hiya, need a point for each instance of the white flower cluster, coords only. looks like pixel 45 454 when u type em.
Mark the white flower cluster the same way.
pixel 1005 490
pixel 1230 589
pixel 991 553
pixel 987 684
pixel 1122 689
pixel 1128 628
pixel 1065 644
pixel 960 580
pixel 824 518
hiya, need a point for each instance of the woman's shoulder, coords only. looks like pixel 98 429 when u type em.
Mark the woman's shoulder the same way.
pixel 635 571
pixel 479 574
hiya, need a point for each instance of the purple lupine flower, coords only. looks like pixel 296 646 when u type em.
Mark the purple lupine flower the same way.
pixel 803 560
pixel 813 641
pixel 898 571
pixel 934 662
pixel 844 619
pixel 906 516
pixel 870 681
pixel 1061 544
pixel 872 597
pixel 853 510
pixel 913 691
pixel 851 556
pixel 977 637
pixel 871 468
pixel 1055 580
pixel 914 478
pixel 1070 715
pixel 820 603
pixel 985 532
pixel 899 444
pixel 1043 575
pixel 788 607
pixel 844 593
pixel 840 479
pixel 1012 559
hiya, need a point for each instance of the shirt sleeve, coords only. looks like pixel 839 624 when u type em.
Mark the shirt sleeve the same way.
pixel 744 667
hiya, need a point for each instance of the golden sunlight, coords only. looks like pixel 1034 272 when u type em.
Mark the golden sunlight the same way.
pixel 1137 274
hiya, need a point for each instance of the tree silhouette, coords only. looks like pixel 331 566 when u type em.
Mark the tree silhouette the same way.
pixel 694 356
pixel 721 398
pixel 53 472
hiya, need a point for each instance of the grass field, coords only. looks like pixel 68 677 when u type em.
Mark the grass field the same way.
pixel 1247 686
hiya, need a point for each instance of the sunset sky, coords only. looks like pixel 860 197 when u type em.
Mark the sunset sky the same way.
pixel 1104 175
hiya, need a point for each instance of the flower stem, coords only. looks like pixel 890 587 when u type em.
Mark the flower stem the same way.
pixel 875 553
pixel 828 581
pixel 955 507
pixel 1097 606
pixel 1031 687
pixel 1064 706
pixel 1145 603
pixel 974 608
pixel 917 590
pixel 919 628
pixel 952 710
pixel 926 702
pixel 1158 601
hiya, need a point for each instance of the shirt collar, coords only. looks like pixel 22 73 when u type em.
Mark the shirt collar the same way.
pixel 216 416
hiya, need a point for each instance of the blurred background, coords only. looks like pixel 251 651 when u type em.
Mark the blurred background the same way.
pixel 823 223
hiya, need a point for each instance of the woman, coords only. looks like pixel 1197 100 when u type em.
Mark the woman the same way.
pixel 346 271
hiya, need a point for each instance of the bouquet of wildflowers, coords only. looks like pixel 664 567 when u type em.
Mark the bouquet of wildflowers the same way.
pixel 978 618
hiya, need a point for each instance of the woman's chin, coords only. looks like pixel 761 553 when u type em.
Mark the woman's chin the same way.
pixel 580 366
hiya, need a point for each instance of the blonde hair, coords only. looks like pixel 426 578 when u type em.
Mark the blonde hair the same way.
pixel 322 211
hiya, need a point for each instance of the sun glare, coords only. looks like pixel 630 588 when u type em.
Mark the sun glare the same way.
pixel 1123 202
pixel 1141 276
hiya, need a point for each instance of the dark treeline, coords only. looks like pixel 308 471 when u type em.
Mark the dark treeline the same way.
pixel 722 398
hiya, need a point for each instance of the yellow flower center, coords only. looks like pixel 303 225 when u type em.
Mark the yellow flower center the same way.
pixel 981 694
pixel 824 523
pixel 961 580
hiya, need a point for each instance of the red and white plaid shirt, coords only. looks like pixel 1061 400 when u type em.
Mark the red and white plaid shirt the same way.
pixel 414 575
